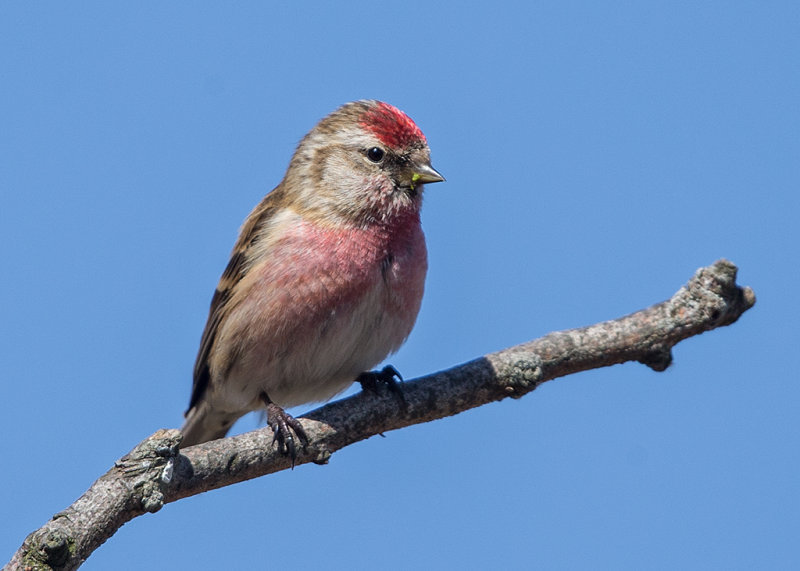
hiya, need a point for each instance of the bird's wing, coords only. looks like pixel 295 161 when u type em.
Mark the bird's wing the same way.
pixel 223 301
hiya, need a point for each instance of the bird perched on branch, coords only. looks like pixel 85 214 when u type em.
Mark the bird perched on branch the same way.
pixel 325 279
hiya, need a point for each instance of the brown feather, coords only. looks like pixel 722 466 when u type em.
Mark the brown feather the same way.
pixel 221 302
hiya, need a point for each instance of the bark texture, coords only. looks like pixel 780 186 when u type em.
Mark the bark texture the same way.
pixel 156 472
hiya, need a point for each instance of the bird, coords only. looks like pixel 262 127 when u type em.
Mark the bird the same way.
pixel 325 279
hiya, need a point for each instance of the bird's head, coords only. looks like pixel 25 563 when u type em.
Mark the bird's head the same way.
pixel 367 161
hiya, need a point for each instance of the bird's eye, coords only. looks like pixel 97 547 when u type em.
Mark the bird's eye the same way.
pixel 375 154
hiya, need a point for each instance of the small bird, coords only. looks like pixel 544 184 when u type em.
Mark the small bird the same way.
pixel 325 279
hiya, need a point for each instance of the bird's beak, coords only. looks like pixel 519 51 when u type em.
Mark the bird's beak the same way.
pixel 425 173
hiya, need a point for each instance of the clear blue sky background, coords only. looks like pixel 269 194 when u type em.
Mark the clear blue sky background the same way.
pixel 596 155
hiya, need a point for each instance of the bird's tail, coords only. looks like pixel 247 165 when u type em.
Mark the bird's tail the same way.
pixel 203 424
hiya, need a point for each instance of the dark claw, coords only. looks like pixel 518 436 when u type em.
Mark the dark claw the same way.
pixel 282 425
pixel 369 382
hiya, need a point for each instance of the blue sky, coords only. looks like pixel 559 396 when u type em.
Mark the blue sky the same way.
pixel 596 154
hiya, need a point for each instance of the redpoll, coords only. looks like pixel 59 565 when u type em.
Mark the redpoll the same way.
pixel 325 279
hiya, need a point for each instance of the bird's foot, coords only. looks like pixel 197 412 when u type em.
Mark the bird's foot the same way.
pixel 283 426
pixel 371 380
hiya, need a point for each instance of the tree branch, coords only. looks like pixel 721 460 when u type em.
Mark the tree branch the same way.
pixel 156 472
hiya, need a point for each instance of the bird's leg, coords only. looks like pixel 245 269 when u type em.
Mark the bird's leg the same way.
pixel 282 425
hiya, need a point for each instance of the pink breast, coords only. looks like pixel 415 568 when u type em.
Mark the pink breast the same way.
pixel 328 269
